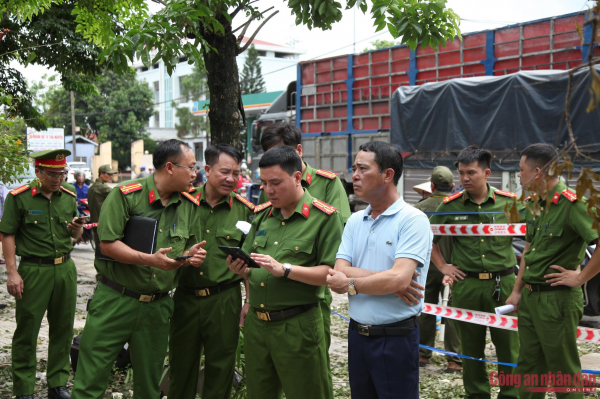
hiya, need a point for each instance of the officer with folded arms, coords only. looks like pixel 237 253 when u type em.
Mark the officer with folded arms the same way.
pixel 294 239
pixel 132 302
pixel 549 309
pixel 39 221
pixel 483 267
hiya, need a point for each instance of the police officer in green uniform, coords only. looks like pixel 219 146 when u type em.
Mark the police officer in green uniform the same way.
pixel 208 300
pixel 484 268
pixel 441 187
pixel 321 184
pixel 294 238
pixel 97 193
pixel 132 302
pixel 40 218
pixel 556 241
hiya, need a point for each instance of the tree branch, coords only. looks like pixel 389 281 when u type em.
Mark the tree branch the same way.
pixel 241 7
pixel 247 23
pixel 159 2
pixel 249 42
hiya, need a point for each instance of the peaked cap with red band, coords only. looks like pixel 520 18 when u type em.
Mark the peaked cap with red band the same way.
pixel 51 158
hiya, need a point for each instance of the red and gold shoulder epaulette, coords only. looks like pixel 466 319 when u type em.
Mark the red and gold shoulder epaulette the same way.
pixel 328 209
pixel 130 188
pixel 189 196
pixel 262 207
pixel 506 193
pixel 453 197
pixel 20 190
pixel 245 201
pixel 570 195
pixel 68 191
pixel 326 173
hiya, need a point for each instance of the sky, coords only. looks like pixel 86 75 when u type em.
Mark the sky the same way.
pixel 355 31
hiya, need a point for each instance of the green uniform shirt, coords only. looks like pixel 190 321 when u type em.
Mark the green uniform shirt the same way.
pixel 39 224
pixel 97 193
pixel 218 228
pixel 559 236
pixel 309 237
pixel 479 253
pixel 325 186
pixel 142 199
pixel 430 205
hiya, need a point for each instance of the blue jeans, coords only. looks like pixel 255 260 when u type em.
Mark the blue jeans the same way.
pixel 384 367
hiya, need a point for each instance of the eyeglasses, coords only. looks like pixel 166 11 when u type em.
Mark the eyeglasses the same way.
pixel 192 169
pixel 55 176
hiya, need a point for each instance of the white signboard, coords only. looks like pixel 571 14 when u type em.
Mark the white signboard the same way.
pixel 51 139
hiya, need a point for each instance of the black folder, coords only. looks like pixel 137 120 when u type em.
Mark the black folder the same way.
pixel 139 234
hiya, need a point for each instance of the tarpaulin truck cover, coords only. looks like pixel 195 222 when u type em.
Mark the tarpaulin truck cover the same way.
pixel 504 114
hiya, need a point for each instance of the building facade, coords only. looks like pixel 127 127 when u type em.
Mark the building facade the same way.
pixel 278 64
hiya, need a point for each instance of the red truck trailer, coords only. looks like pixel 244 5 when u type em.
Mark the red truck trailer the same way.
pixel 344 101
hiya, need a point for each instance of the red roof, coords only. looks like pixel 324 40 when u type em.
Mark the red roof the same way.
pixel 256 41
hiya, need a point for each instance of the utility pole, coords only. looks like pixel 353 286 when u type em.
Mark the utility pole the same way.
pixel 73 125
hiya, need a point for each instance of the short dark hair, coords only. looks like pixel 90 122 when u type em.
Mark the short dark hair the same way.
pixel 473 153
pixel 286 157
pixel 213 152
pixel 540 155
pixel 442 189
pixel 168 151
pixel 386 157
pixel 281 132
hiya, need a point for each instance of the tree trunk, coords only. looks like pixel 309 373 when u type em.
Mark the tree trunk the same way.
pixel 226 112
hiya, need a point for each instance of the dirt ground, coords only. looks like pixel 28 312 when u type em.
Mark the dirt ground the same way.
pixel 434 383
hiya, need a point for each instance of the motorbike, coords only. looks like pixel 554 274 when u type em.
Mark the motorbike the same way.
pixel 88 231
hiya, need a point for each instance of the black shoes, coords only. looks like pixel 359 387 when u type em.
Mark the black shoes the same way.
pixel 57 393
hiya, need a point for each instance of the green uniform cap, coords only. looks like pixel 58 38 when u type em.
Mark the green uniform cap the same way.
pixel 51 158
pixel 442 176
pixel 106 169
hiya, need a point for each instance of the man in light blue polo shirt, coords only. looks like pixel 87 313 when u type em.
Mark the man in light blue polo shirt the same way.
pixel 382 248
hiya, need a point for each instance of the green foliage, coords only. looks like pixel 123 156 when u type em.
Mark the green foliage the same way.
pixel 379 44
pixel 117 111
pixel 190 124
pixel 43 32
pixel 13 157
pixel 251 80
pixel 193 87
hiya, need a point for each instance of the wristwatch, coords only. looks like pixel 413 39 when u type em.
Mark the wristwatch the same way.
pixel 351 289
pixel 287 269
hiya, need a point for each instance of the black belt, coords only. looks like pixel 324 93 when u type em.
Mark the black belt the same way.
pixel 400 328
pixel 46 261
pixel 490 275
pixel 210 290
pixel 545 287
pixel 283 314
pixel 127 292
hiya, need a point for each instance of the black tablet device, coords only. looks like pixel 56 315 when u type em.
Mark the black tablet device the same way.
pixel 236 253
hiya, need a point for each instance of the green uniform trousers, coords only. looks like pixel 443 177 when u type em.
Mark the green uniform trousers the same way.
pixel 548 334
pixel 427 323
pixel 287 356
pixel 209 324
pixel 475 294
pixel 113 320
pixel 52 288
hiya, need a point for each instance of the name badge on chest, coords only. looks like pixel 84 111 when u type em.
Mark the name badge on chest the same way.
pixel 35 212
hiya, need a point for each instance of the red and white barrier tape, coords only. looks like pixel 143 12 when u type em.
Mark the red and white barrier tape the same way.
pixel 497 321
pixel 90 225
pixel 518 229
